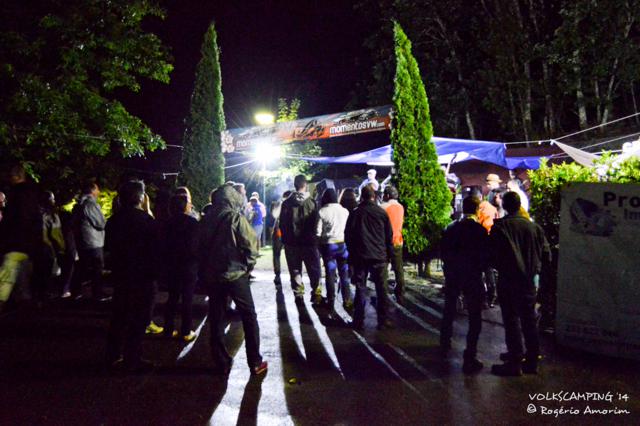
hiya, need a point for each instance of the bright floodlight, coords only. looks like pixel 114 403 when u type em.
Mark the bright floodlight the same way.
pixel 267 153
pixel 264 118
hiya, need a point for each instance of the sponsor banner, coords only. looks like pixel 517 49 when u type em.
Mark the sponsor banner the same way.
pixel 313 128
pixel 599 269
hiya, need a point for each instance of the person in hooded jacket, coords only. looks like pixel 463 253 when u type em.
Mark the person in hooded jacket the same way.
pixel 298 221
pixel 227 252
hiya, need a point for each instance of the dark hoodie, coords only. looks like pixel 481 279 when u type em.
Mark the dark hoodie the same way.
pixel 227 248
pixel 298 220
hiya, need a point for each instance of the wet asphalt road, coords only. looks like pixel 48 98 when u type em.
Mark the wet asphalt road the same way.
pixel 320 372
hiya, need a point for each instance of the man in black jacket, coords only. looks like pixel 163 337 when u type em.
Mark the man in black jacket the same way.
pixel 132 240
pixel 368 235
pixel 464 250
pixel 228 251
pixel 298 220
pixel 519 251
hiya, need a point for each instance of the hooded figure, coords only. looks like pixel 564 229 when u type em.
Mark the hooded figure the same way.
pixel 227 254
pixel 227 242
pixel 298 221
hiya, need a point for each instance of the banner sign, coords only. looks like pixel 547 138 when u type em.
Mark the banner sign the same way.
pixel 313 128
pixel 598 296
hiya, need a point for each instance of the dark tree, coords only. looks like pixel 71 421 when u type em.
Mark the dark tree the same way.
pixel 202 160
pixel 63 65
pixel 421 183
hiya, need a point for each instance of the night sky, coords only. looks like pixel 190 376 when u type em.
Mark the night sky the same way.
pixel 269 49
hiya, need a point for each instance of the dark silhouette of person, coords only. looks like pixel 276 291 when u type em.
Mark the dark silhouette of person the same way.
pixel 133 244
pixel 519 251
pixel 89 232
pixel 227 252
pixel 465 256
pixel 181 263
pixel 298 220
pixel 369 240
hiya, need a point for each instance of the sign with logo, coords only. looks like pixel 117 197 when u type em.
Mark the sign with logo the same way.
pixel 320 127
pixel 599 269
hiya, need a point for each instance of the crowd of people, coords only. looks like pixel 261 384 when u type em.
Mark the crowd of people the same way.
pixel 356 235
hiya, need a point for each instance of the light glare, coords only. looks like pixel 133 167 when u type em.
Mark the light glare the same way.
pixel 264 118
pixel 267 153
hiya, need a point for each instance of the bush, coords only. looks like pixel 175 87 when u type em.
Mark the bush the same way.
pixel 548 181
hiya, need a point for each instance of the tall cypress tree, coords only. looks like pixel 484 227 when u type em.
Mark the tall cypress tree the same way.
pixel 202 159
pixel 421 183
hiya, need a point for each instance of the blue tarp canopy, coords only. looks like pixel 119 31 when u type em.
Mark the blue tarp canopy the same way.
pixel 449 151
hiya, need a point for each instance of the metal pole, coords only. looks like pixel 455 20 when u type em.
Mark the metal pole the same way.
pixel 263 237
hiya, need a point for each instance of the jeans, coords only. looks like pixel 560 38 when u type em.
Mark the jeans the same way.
pixel 335 258
pixel 377 269
pixel 517 302
pixel 240 293
pixel 258 230
pixel 473 296
pixel 296 256
pixel 398 270
pixel 181 283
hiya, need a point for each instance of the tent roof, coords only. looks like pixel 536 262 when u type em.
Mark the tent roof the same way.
pixel 449 150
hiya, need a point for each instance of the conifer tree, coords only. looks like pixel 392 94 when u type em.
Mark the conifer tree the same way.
pixel 202 159
pixel 421 183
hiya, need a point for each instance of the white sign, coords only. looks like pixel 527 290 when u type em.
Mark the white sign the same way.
pixel 598 306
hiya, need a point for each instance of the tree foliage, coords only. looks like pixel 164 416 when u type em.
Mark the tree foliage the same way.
pixel 63 66
pixel 421 182
pixel 202 161
pixel 288 111
pixel 511 69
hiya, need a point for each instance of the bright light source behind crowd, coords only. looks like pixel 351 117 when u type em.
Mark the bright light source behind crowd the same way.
pixel 264 118
pixel 267 153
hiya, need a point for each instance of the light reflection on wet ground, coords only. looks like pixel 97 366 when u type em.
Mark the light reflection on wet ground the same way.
pixel 320 372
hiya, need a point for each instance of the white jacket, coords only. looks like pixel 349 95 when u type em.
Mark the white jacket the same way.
pixel 333 219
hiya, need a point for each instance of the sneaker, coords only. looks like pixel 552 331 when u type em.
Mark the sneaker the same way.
pixel 190 337
pixel 316 299
pixel 260 369
pixel 66 295
pixel 153 328
pixel 115 365
pixel 508 369
pixel 471 366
